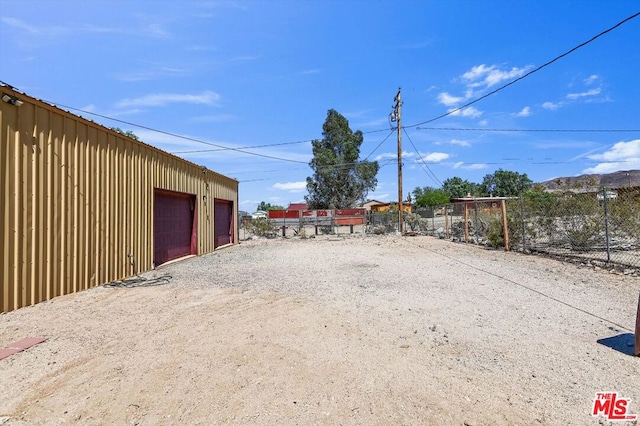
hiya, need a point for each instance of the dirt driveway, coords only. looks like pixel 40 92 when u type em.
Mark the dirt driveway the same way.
pixel 373 330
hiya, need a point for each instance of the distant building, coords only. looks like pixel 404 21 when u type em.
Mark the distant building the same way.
pixel 369 204
pixel 259 214
pixel 384 207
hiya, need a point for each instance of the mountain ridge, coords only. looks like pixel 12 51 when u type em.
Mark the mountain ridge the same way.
pixel 593 182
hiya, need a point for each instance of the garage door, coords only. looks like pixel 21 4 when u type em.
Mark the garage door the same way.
pixel 174 227
pixel 223 223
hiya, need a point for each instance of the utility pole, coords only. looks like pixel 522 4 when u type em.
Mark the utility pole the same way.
pixel 396 115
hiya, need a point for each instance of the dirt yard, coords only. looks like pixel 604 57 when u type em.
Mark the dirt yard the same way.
pixel 353 330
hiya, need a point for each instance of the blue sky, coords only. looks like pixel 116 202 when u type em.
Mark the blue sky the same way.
pixel 253 73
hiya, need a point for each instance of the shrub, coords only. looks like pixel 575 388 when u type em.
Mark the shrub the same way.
pixel 261 227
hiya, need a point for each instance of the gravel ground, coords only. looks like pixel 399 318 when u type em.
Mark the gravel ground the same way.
pixel 371 330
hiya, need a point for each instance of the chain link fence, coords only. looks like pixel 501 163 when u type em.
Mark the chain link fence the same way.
pixel 601 227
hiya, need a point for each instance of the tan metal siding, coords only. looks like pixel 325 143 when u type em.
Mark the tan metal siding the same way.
pixel 77 198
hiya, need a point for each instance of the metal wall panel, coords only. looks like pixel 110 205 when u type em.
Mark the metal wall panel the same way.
pixel 76 198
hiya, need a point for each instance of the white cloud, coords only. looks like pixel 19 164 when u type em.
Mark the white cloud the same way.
pixel 620 151
pixel 591 79
pixel 162 99
pixel 470 166
pixel 621 156
pixel 488 76
pixel 592 92
pixel 448 100
pixel 17 23
pixel 467 112
pixel 434 157
pixel 526 112
pixel 291 186
pixel 551 105
pixel 483 122
pixel 478 78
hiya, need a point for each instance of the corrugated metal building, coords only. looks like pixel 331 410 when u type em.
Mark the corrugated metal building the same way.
pixel 80 204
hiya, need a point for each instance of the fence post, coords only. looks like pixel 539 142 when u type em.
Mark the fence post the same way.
pixel 606 224
pixel 334 229
pixel 524 228
pixel 301 223
pixel 466 222
pixel 284 223
pixel 446 221
pixel 637 345
pixel 475 207
pixel 505 225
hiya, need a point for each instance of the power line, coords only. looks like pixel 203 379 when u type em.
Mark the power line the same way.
pixel 466 129
pixel 378 146
pixel 546 64
pixel 242 147
pixel 222 147
pixel 243 151
pixel 422 162
pixel 218 147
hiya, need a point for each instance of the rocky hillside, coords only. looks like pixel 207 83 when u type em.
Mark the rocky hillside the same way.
pixel 590 183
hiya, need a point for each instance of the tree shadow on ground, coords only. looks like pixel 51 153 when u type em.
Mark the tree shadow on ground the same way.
pixel 622 343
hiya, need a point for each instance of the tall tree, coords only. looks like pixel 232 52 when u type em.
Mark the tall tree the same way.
pixel 339 179
pixel 433 197
pixel 458 187
pixel 127 133
pixel 420 191
pixel 505 183
pixel 268 206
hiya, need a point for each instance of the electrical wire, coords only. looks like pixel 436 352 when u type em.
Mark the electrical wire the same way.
pixel 465 129
pixel 546 64
pixel 242 147
pixel 423 163
pixel 243 151
pixel 222 147
pixel 378 146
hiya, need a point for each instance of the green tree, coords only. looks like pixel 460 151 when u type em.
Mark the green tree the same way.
pixel 433 197
pixel 458 187
pixel 504 183
pixel 268 206
pixel 339 179
pixel 420 191
pixel 128 133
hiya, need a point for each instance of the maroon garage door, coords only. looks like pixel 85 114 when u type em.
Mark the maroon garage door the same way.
pixel 223 223
pixel 174 225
